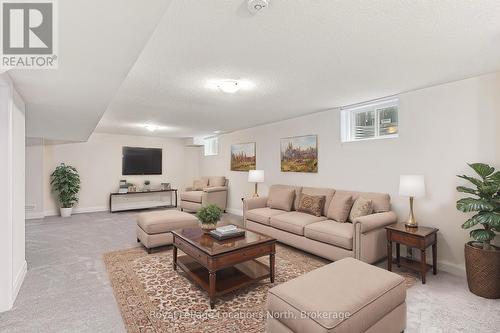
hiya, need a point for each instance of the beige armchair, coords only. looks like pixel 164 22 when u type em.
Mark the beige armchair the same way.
pixel 205 191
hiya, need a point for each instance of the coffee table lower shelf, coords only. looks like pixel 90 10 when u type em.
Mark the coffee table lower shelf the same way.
pixel 227 279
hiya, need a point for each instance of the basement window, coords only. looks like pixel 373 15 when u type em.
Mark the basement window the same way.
pixel 211 146
pixel 371 120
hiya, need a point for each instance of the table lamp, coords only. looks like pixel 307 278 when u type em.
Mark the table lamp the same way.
pixel 256 176
pixel 412 186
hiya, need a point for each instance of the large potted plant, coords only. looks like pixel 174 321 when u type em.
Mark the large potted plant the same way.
pixel 209 216
pixel 482 259
pixel 65 183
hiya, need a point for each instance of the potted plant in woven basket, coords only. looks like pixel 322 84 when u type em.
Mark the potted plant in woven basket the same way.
pixel 65 183
pixel 209 216
pixel 482 259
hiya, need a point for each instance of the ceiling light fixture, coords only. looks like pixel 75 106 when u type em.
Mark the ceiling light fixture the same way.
pixel 254 6
pixel 228 86
pixel 151 127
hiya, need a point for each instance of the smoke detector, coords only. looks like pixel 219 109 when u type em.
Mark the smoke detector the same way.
pixel 255 6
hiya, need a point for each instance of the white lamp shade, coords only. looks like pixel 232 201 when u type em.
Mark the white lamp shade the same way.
pixel 256 176
pixel 412 186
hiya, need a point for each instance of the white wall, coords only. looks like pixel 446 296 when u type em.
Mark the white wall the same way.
pixel 99 162
pixel 34 178
pixel 441 128
pixel 12 239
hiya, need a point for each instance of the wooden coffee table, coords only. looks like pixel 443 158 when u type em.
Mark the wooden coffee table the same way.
pixel 220 267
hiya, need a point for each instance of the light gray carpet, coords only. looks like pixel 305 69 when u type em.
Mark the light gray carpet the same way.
pixel 67 288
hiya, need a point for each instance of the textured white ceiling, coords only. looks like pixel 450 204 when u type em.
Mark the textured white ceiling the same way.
pixel 99 41
pixel 303 56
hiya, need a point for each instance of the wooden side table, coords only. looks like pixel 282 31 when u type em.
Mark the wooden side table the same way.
pixel 419 238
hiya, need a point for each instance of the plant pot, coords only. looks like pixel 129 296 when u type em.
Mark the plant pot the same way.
pixel 207 227
pixel 483 270
pixel 66 212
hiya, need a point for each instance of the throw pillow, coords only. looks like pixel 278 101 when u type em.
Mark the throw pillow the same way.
pixel 216 181
pixel 311 204
pixel 281 199
pixel 340 206
pixel 199 184
pixel 361 207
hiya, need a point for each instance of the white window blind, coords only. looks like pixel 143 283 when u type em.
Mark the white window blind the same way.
pixel 211 146
pixel 371 120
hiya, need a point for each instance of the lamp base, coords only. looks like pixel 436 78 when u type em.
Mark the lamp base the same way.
pixel 255 194
pixel 411 223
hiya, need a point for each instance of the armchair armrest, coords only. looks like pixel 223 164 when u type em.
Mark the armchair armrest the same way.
pixel 215 189
pixel 252 203
pixel 375 221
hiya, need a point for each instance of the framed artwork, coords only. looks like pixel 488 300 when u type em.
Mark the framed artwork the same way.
pixel 299 154
pixel 243 156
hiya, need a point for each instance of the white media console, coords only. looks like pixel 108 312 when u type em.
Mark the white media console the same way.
pixel 119 202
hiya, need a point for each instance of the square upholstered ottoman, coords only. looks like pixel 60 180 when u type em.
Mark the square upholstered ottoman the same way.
pixel 154 228
pixel 347 296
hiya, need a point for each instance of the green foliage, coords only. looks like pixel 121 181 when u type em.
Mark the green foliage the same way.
pixel 65 183
pixel 210 214
pixel 486 203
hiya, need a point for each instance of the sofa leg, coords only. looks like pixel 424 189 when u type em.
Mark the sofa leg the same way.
pixel 149 250
pixel 182 209
pixel 138 240
pixel 224 211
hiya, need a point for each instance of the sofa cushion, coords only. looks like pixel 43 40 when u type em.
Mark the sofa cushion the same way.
pixel 381 201
pixel 366 292
pixel 200 184
pixel 340 207
pixel 327 192
pixel 216 181
pixel 331 232
pixel 193 196
pixel 294 222
pixel 262 215
pixel 361 207
pixel 311 204
pixel 161 221
pixel 297 190
pixel 281 198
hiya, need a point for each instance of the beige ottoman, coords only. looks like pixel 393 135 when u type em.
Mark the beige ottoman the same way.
pixel 154 228
pixel 345 296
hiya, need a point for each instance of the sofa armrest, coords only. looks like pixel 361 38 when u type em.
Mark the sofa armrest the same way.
pixel 252 203
pixel 215 189
pixel 375 221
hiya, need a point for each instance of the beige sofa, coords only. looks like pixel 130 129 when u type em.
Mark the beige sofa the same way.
pixel 205 191
pixel 364 238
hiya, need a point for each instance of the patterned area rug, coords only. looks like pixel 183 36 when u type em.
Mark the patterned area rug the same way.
pixel 152 297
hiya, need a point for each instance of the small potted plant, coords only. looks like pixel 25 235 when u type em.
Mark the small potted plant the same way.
pixel 482 259
pixel 65 182
pixel 209 216
pixel 147 183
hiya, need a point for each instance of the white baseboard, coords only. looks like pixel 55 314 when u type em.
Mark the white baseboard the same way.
pixel 79 210
pixel 18 281
pixel 453 269
pixel 34 215
pixel 238 212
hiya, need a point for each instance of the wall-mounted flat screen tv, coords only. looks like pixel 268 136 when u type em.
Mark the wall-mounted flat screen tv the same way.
pixel 141 161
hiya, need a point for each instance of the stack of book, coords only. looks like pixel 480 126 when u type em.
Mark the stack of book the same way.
pixel 228 231
pixel 123 186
